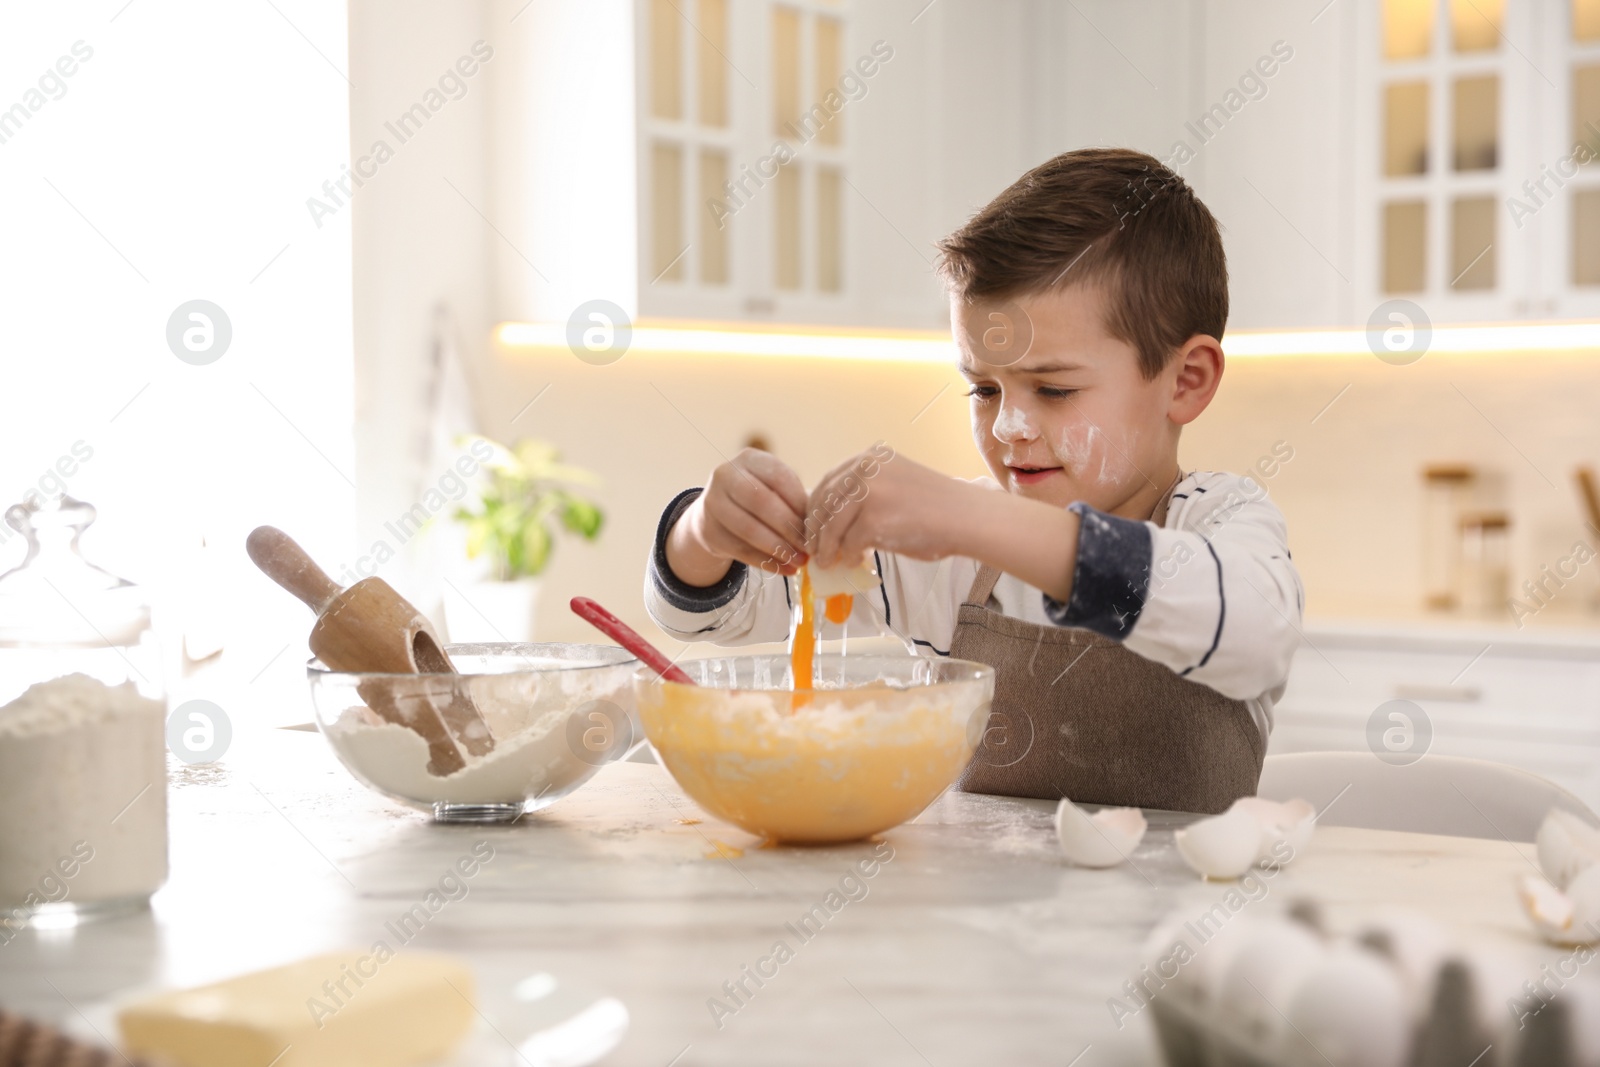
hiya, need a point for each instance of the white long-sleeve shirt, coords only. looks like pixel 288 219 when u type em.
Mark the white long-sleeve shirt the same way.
pixel 1211 594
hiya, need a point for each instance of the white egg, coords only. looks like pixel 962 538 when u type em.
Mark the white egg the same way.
pixel 1567 846
pixel 1170 950
pixel 1285 827
pixel 843 578
pixel 1497 978
pixel 1570 918
pixel 1416 945
pixel 1273 957
pixel 1103 839
pixel 1583 1007
pixel 1223 846
pixel 1351 1012
pixel 1204 974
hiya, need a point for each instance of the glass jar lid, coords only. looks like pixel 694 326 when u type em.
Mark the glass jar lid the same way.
pixel 55 597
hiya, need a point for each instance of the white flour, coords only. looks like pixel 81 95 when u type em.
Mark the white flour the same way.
pixel 82 774
pixel 535 753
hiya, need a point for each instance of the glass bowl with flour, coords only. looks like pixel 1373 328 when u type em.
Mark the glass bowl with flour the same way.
pixel 873 744
pixel 557 714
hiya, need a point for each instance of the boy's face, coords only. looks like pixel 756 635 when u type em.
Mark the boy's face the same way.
pixel 1071 418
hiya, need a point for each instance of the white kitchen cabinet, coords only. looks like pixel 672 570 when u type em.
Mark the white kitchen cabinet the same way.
pixel 1421 150
pixel 1408 149
pixel 1471 200
pixel 1530 699
pixel 796 160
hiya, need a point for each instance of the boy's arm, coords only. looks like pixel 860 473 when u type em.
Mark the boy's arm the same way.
pixel 903 507
pixel 747 605
pixel 1213 595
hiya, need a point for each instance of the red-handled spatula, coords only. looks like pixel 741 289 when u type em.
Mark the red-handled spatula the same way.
pixel 628 638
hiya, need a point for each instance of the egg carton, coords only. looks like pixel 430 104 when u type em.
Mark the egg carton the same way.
pixel 1450 1034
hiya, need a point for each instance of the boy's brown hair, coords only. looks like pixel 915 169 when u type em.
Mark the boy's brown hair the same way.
pixel 1107 216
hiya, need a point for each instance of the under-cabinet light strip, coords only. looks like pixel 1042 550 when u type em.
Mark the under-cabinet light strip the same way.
pixel 931 347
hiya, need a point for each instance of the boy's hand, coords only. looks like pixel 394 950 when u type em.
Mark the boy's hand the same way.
pixel 877 499
pixel 752 510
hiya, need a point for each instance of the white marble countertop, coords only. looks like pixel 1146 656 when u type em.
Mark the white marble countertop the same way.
pixel 975 943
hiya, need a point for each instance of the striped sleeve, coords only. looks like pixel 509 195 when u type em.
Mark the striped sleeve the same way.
pixel 748 606
pixel 1223 601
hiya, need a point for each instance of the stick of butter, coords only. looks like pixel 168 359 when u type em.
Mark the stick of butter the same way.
pixel 379 1009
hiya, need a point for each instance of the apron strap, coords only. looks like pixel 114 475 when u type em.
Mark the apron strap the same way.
pixel 1160 515
pixel 982 586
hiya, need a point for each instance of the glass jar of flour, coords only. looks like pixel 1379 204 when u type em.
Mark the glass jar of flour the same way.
pixel 83 780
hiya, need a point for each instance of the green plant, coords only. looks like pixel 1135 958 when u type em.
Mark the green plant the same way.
pixel 525 500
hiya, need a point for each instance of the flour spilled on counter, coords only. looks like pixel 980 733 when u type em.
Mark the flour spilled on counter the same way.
pixel 533 754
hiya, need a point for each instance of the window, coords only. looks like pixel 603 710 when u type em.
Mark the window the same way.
pixel 229 118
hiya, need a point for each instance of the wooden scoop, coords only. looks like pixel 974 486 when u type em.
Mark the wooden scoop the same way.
pixel 371 629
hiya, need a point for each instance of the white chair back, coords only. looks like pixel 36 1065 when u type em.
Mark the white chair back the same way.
pixel 1435 795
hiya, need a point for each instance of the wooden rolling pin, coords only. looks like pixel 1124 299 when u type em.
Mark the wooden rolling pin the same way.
pixel 371 629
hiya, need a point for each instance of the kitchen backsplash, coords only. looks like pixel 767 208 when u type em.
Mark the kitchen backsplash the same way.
pixel 1339 442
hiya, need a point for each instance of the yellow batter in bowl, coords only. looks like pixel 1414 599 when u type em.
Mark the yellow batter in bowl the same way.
pixel 880 739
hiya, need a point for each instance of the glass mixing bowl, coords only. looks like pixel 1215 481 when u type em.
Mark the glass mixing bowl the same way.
pixel 875 743
pixel 557 713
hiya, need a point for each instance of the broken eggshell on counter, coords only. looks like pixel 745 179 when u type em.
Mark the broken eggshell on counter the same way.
pixel 1565 910
pixel 1103 839
pixel 1282 824
pixel 1567 846
pixel 1250 833
pixel 1563 918
pixel 1223 846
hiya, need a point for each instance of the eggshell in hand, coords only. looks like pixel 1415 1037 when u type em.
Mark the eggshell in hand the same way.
pixel 1103 839
pixel 843 578
pixel 1223 846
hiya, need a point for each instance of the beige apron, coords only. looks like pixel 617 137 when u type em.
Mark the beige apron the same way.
pixel 1077 715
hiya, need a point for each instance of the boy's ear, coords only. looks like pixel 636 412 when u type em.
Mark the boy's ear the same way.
pixel 1199 365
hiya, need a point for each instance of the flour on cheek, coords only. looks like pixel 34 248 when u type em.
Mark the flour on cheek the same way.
pixel 1090 456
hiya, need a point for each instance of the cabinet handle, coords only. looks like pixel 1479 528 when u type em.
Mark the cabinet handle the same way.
pixel 1451 694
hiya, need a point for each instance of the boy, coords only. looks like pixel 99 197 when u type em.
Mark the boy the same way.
pixel 1141 620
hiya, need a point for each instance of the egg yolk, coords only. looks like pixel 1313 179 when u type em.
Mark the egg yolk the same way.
pixel 803 654
pixel 837 607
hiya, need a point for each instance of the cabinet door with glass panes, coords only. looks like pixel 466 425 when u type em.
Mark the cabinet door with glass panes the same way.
pixel 743 160
pixel 1475 203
